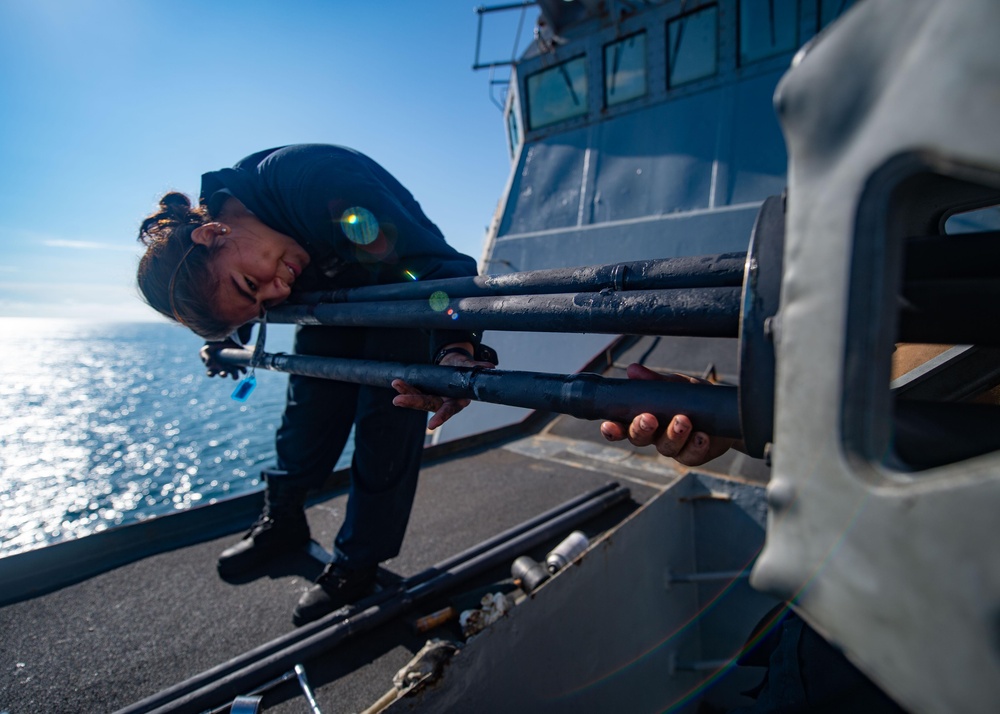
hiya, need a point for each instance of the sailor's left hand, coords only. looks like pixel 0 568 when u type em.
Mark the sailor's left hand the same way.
pixel 209 356
pixel 444 408
pixel 677 439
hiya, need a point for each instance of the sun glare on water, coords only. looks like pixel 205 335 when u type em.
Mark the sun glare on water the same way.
pixel 101 425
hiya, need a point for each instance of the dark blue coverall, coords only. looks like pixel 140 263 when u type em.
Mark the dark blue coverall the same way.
pixel 360 226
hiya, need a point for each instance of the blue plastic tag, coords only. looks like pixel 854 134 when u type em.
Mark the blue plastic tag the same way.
pixel 245 388
pixel 246 385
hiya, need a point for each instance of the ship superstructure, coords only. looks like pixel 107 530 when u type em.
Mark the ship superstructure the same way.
pixel 636 130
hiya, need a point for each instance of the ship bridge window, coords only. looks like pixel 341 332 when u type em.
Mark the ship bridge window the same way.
pixel 625 70
pixel 557 93
pixel 513 125
pixel 513 135
pixel 692 46
pixel 767 28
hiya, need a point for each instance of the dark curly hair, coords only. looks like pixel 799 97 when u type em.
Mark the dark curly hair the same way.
pixel 174 275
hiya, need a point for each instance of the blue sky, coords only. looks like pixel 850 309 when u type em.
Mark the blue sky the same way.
pixel 107 104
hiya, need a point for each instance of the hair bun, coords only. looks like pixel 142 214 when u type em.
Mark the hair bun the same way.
pixel 174 212
pixel 177 206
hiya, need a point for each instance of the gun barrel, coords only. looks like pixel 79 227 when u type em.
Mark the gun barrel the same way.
pixel 712 408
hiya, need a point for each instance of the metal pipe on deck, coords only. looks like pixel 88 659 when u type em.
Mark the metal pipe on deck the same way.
pixel 585 396
pixel 284 642
pixel 231 684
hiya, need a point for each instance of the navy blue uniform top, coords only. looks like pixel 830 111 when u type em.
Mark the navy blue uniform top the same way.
pixel 358 223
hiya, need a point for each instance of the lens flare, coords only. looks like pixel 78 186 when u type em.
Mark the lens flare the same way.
pixel 360 225
pixel 438 301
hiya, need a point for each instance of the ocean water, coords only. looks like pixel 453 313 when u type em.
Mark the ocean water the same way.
pixel 103 424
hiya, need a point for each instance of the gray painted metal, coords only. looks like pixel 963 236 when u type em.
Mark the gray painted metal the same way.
pixel 616 632
pixel 890 118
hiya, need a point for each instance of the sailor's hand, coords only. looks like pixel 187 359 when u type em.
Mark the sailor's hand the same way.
pixel 444 408
pixel 678 440
pixel 209 352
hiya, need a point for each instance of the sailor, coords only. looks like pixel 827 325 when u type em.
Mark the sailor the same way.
pixel 311 217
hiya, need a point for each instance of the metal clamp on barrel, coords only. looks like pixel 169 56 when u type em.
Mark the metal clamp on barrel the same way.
pixel 245 704
pixel 758 325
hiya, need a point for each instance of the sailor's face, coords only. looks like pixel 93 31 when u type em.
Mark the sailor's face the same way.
pixel 255 268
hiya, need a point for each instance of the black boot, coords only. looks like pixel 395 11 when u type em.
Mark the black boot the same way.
pixel 334 588
pixel 280 528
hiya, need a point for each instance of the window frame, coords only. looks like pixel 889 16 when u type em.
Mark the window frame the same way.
pixel 585 104
pixel 795 44
pixel 645 69
pixel 666 36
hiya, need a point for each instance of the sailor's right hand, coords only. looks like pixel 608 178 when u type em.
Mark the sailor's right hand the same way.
pixel 213 367
pixel 677 439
